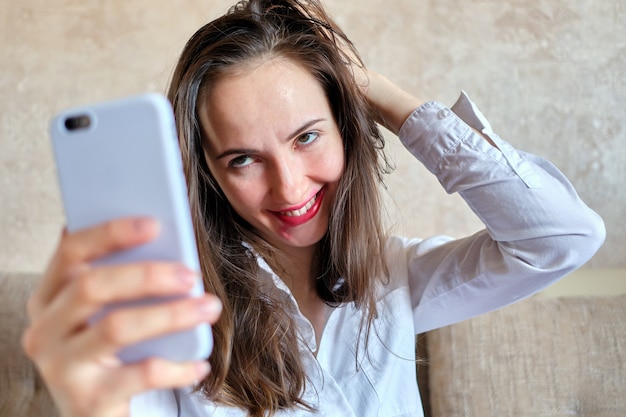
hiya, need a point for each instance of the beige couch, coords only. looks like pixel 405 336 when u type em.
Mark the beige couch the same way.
pixel 548 357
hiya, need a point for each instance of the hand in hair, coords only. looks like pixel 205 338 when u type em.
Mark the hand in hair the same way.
pixel 393 103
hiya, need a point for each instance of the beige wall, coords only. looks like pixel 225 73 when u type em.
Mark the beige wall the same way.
pixel 550 76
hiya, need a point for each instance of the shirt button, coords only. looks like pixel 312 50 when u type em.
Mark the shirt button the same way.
pixel 443 113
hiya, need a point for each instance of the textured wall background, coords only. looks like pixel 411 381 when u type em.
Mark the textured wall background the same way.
pixel 549 75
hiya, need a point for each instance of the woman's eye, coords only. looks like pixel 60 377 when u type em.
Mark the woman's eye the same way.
pixel 241 161
pixel 307 138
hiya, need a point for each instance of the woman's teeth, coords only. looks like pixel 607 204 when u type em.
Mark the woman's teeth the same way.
pixel 303 210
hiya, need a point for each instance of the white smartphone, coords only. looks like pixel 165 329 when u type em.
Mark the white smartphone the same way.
pixel 121 158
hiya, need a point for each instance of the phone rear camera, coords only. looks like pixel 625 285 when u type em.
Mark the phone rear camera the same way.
pixel 77 122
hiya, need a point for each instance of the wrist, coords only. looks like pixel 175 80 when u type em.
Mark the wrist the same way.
pixel 394 105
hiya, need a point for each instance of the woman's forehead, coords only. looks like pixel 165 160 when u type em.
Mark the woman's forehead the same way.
pixel 272 98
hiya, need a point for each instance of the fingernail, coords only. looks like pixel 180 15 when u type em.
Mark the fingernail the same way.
pixel 202 369
pixel 210 307
pixel 144 225
pixel 110 361
pixel 185 276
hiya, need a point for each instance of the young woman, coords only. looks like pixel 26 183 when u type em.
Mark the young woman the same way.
pixel 319 307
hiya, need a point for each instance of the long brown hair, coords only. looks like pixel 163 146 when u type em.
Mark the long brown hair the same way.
pixel 256 363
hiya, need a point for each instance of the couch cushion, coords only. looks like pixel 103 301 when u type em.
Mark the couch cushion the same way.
pixel 22 392
pixel 540 357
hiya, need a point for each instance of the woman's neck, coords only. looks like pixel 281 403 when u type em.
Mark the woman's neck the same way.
pixel 299 269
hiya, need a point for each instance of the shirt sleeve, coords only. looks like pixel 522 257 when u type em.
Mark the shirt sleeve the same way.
pixel 537 228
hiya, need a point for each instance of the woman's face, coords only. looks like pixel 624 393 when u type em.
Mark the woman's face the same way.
pixel 275 150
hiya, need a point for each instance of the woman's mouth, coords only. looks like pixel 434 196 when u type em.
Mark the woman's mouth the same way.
pixel 301 211
pixel 304 213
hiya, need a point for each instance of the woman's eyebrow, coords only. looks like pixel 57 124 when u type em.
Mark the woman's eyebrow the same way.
pixel 304 127
pixel 235 152
pixel 243 151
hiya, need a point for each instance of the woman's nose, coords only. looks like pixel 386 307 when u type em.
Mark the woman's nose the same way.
pixel 288 181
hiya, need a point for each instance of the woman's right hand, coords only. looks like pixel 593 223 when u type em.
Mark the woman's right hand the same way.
pixel 77 359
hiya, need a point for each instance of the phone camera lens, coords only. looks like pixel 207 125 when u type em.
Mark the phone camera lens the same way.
pixel 77 122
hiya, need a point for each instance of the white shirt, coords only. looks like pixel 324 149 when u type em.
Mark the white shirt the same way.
pixel 537 230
